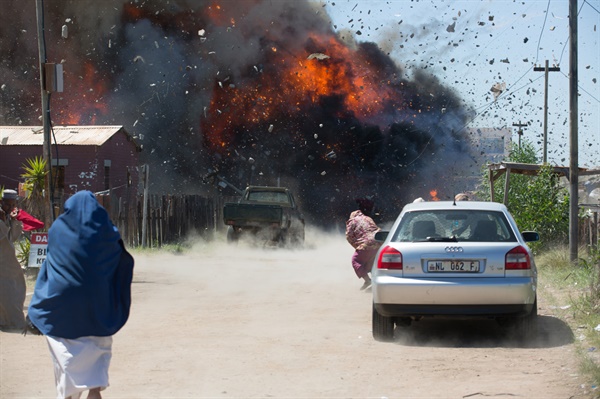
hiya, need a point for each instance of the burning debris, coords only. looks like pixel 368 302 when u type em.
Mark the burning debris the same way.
pixel 348 120
pixel 318 56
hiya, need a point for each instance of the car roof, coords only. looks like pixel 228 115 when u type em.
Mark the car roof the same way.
pixel 454 205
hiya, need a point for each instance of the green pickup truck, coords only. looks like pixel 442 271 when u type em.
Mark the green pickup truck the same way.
pixel 267 213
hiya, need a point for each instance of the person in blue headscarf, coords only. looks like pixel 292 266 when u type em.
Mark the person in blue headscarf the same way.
pixel 82 295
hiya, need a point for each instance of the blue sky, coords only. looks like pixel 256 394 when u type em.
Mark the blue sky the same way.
pixel 473 45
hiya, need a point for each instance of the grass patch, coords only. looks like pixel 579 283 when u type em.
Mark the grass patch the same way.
pixel 577 285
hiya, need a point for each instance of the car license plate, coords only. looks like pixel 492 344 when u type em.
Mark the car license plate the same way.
pixel 453 266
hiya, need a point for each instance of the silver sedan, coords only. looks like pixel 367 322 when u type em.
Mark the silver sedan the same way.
pixel 448 259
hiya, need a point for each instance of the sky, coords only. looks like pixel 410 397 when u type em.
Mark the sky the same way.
pixel 474 45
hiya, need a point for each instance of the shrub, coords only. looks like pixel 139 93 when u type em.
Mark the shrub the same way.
pixel 537 203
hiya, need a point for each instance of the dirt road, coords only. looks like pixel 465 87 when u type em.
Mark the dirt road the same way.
pixel 238 322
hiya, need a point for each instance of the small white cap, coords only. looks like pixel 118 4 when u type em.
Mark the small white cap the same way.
pixel 9 194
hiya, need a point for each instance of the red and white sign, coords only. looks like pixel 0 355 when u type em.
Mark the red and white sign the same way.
pixel 37 250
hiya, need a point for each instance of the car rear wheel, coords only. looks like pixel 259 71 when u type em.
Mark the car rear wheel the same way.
pixel 232 235
pixel 527 327
pixel 521 329
pixel 383 327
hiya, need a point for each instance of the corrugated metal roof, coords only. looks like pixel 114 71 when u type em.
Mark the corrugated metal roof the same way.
pixel 63 135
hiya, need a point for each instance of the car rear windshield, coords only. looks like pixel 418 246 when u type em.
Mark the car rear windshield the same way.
pixel 268 196
pixel 461 225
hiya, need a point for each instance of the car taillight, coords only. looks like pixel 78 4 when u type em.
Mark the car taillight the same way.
pixel 389 258
pixel 517 259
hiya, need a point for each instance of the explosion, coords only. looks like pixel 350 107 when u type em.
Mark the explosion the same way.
pixel 264 93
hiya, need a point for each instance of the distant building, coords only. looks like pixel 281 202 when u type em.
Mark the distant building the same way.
pixel 94 158
pixel 487 145
pixel 490 145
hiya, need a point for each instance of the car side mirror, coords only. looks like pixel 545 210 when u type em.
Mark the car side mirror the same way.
pixel 381 235
pixel 530 236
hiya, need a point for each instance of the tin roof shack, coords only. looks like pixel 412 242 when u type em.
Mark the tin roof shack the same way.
pixel 94 158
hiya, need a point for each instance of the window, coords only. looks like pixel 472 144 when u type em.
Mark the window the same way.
pixel 106 177
pixel 107 165
pixel 58 174
pixel 58 177
pixel 268 196
pixel 470 225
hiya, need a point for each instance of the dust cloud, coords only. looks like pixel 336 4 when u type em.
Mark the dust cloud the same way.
pixel 221 320
pixel 256 278
pixel 325 257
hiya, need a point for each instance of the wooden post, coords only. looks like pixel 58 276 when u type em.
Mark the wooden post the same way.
pixel 491 174
pixel 506 185
pixel 145 170
pixel 594 230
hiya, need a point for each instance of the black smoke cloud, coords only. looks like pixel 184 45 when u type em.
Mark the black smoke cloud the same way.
pixel 157 68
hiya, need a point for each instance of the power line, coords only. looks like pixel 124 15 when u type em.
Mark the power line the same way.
pixel 593 8
pixel 542 32
pixel 581 88
pixel 567 41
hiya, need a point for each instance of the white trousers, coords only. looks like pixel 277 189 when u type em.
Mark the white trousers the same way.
pixel 80 364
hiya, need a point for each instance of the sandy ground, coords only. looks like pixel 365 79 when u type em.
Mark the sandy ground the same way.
pixel 238 322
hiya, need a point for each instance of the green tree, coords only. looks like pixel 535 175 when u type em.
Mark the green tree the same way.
pixel 537 203
pixel 35 178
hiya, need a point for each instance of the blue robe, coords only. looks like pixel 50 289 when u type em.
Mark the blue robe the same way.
pixel 84 285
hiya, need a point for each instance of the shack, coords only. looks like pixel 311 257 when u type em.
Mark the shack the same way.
pixel 94 158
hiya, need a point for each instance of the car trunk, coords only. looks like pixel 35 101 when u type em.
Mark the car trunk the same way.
pixel 453 259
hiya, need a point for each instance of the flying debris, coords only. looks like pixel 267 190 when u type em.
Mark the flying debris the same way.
pixel 498 89
pixel 318 56
pixel 451 27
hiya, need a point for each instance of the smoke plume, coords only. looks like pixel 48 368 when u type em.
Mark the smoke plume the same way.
pixel 260 92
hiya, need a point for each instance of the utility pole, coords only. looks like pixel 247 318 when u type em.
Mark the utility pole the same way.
pixel 546 70
pixel 46 148
pixel 51 80
pixel 573 132
pixel 520 131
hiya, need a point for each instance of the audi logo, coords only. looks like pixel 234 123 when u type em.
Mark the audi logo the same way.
pixel 454 249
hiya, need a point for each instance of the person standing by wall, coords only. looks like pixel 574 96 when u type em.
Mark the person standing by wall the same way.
pixel 82 295
pixel 12 279
pixel 360 233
